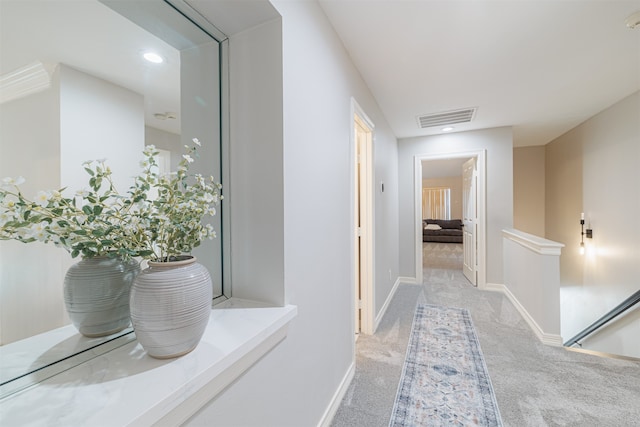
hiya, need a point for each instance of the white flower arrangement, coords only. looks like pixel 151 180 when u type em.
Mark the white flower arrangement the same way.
pixel 99 221
pixel 171 225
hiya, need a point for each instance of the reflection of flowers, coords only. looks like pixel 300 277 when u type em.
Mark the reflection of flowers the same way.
pixel 100 221
pixel 85 225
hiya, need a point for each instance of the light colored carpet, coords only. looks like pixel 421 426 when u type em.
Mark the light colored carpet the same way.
pixel 442 255
pixel 535 385
pixel 444 380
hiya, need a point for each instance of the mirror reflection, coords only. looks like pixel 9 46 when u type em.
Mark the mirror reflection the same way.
pixel 82 82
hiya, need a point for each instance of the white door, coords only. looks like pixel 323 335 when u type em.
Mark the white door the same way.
pixel 357 209
pixel 364 226
pixel 470 219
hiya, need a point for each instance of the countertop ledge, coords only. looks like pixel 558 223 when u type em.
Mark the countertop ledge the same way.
pixel 126 387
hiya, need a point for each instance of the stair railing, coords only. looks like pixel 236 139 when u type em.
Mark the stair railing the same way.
pixel 615 312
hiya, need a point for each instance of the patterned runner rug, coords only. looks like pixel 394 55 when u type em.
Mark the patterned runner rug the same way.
pixel 444 380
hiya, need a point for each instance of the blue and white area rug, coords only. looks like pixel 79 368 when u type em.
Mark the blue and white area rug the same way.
pixel 444 380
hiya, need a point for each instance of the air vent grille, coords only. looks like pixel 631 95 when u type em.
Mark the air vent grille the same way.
pixel 446 118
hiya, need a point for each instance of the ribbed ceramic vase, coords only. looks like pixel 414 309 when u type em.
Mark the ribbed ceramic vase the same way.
pixel 170 306
pixel 96 294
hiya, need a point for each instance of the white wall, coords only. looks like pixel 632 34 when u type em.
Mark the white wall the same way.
pixel 498 143
pixel 165 141
pixel 45 138
pixel 606 150
pixel 111 128
pixel 256 189
pixel 292 211
pixel 532 281
pixel 30 275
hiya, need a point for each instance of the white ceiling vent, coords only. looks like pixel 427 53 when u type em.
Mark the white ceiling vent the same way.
pixel 446 118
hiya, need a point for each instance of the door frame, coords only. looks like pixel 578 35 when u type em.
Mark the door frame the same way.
pixel 367 294
pixel 481 155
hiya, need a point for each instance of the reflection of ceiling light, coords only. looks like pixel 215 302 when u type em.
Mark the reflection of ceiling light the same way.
pixel 447 129
pixel 164 116
pixel 153 57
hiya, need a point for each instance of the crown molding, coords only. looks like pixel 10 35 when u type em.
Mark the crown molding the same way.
pixel 25 81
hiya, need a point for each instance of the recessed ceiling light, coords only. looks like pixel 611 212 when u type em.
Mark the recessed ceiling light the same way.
pixel 447 129
pixel 153 57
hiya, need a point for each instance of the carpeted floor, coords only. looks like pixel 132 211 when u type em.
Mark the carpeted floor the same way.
pixel 535 385
pixel 444 379
pixel 442 255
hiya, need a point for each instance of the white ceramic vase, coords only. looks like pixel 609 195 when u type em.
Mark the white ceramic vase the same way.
pixel 170 306
pixel 96 294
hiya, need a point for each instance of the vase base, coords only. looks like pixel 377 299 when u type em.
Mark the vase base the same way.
pixel 172 356
pixel 103 334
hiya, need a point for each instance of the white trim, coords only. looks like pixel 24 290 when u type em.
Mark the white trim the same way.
pixel 481 163
pixel 25 81
pixel 367 275
pixel 494 287
pixel 548 339
pixel 417 215
pixel 409 280
pixel 334 405
pixel 383 310
pixel 534 243
pixel 356 109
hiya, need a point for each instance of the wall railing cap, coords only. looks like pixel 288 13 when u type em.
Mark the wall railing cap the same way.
pixel 535 243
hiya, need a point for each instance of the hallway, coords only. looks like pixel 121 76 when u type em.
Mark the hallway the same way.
pixel 535 385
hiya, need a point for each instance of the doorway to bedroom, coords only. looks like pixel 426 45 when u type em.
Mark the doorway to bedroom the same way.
pixel 442 196
pixel 450 214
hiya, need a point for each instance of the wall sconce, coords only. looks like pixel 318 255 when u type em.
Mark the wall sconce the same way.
pixel 588 232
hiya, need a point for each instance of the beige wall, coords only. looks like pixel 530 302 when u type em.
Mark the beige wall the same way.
pixel 455 184
pixel 529 189
pixel 594 169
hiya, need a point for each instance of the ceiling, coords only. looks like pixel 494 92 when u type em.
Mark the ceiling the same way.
pixel 102 43
pixel 542 67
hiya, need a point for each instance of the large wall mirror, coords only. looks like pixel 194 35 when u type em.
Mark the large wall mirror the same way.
pixel 75 86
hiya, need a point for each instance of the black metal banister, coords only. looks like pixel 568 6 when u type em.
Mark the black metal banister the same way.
pixel 618 310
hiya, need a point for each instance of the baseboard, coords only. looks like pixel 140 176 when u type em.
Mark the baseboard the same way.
pixel 493 287
pixel 331 410
pixel 545 338
pixel 383 310
pixel 409 280
pixel 602 354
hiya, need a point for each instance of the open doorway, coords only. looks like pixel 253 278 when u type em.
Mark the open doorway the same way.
pixel 363 221
pixel 443 203
pixel 450 213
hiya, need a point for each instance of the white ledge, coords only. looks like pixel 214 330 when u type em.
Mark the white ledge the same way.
pixel 537 244
pixel 126 387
